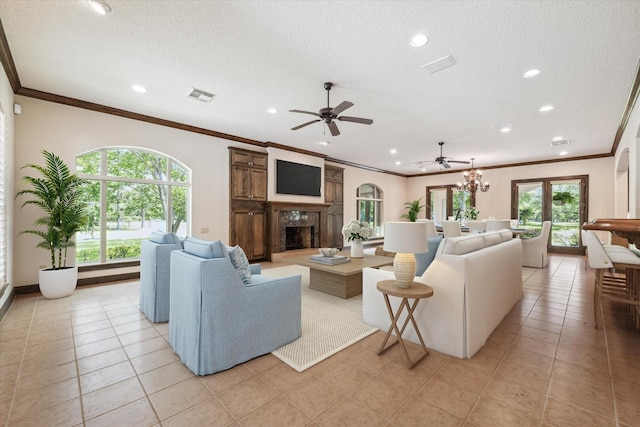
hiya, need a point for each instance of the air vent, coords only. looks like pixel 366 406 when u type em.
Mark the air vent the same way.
pixel 439 64
pixel 561 142
pixel 200 95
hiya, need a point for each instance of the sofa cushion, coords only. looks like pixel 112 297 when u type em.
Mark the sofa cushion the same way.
pixel 165 238
pixel 205 248
pixel 423 260
pixel 241 263
pixel 463 244
pixel 491 239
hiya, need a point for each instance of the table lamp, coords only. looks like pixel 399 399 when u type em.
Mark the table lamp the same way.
pixel 405 239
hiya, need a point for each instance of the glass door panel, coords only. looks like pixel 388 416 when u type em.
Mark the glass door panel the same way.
pixel 530 205
pixel 438 204
pixel 565 214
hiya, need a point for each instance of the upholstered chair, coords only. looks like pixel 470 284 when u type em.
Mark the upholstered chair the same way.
pixel 223 312
pixel 154 274
pixel 534 250
pixel 451 228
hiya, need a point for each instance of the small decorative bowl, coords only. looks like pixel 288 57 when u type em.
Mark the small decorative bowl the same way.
pixel 328 252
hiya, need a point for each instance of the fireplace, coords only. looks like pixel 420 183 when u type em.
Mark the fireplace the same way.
pixel 299 238
pixel 297 229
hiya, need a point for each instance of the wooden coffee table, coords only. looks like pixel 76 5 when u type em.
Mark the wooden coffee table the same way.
pixel 343 280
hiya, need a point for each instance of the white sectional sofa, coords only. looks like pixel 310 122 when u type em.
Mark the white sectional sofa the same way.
pixel 476 278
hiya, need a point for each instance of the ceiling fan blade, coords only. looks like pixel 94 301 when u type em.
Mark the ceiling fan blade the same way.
pixel 341 107
pixel 305 112
pixel 305 124
pixel 333 128
pixel 458 161
pixel 423 163
pixel 445 164
pixel 355 120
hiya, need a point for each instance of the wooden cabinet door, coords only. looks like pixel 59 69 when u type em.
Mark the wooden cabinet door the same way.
pixel 258 184
pixel 240 157
pixel 241 182
pixel 338 193
pixel 258 160
pixel 338 222
pixel 241 230
pixel 329 191
pixel 258 246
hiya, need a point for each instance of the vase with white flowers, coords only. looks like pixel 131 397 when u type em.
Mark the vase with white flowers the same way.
pixel 355 232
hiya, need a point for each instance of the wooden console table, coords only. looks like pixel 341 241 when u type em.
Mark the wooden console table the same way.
pixel 626 228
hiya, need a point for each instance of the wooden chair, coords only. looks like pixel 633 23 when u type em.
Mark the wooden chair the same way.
pixel 621 285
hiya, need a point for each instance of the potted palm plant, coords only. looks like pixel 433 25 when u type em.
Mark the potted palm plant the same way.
pixel 414 209
pixel 57 193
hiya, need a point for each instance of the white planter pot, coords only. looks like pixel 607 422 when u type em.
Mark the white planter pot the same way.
pixel 58 283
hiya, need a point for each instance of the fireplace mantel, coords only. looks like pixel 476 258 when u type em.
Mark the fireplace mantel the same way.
pixel 277 211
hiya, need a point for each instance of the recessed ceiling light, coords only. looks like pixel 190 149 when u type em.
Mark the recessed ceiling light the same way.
pixel 393 151
pixel 423 169
pixel 100 6
pixel 139 88
pixel 324 143
pixel 272 111
pixel 531 73
pixel 505 129
pixel 558 138
pixel 419 40
pixel 398 163
pixel 545 108
pixel 563 153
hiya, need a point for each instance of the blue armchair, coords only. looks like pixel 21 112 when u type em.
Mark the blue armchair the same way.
pixel 154 274
pixel 218 321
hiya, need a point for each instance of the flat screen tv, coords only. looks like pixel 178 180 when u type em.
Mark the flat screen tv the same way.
pixel 297 179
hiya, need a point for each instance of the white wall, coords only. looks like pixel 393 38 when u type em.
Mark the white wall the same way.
pixel 6 105
pixel 497 201
pixel 69 131
pixel 630 141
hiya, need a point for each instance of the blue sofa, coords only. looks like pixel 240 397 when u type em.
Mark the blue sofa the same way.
pixel 219 321
pixel 154 274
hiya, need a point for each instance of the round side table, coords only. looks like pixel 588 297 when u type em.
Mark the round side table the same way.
pixel 416 291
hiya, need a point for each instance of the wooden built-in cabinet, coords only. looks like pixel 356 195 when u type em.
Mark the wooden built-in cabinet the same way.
pixel 334 197
pixel 248 176
pixel 248 195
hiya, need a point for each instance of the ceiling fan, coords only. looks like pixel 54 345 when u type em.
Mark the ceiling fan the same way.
pixel 328 114
pixel 441 160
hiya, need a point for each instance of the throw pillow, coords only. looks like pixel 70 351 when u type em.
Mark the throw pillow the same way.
pixel 241 263
pixel 205 249
pixel 423 260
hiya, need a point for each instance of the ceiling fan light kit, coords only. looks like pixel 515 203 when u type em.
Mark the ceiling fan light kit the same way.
pixel 328 114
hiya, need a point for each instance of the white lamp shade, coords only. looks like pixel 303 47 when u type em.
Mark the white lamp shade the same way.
pixel 405 237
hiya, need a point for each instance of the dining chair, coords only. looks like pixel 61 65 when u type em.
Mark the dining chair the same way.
pixel 498 224
pixel 476 225
pixel 451 228
pixel 431 227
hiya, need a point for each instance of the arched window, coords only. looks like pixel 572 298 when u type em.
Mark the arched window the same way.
pixel 369 202
pixel 131 192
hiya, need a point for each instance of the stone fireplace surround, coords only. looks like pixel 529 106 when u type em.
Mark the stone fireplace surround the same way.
pixel 309 217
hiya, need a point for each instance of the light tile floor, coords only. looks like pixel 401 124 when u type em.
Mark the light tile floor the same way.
pixel 92 359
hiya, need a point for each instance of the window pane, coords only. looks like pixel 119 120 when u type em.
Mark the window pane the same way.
pixel 178 173
pixel 136 164
pixel 89 163
pixel 133 212
pixel 565 208
pixel 530 205
pixel 88 240
pixel 179 211
pixel 366 191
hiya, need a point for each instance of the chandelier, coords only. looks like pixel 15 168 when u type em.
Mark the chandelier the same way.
pixel 473 181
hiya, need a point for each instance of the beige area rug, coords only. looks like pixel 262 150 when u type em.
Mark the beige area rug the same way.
pixel 329 323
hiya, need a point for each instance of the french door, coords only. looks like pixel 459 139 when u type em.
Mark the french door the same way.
pixel 561 200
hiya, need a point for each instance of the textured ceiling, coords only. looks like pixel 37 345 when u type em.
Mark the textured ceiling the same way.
pixel 258 54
